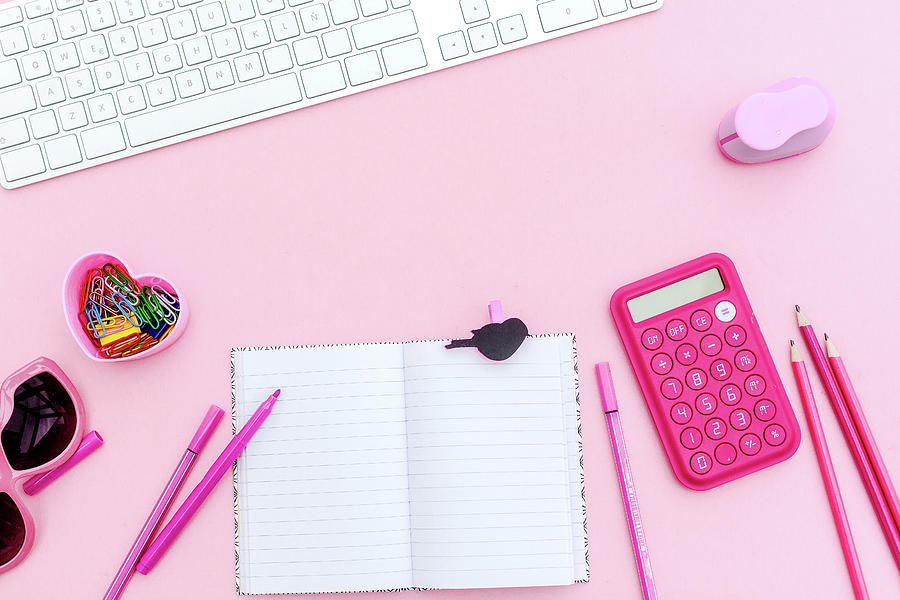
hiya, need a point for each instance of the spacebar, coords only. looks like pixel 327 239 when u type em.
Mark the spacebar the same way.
pixel 213 109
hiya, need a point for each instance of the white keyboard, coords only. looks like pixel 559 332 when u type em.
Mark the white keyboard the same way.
pixel 83 82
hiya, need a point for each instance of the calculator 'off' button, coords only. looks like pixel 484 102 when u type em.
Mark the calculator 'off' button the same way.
pixel 676 330
pixel 652 338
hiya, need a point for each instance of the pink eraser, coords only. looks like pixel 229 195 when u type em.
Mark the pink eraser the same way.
pixel 786 119
pixel 206 428
pixel 607 392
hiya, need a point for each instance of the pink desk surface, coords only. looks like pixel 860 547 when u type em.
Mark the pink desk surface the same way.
pixel 547 178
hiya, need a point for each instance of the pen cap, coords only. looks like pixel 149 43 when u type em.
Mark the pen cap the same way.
pixel 213 415
pixel 607 393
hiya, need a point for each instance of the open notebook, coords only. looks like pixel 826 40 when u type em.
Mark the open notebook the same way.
pixel 405 465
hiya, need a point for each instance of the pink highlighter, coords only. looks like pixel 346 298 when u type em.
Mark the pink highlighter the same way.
pixel 786 119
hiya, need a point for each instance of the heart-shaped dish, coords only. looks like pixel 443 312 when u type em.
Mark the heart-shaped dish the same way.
pixel 72 292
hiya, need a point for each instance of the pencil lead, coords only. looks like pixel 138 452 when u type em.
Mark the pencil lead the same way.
pixel 792 343
pixel 826 337
pixel 802 321
pixel 797 306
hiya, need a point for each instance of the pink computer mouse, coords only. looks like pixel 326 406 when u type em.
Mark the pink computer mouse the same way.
pixel 786 119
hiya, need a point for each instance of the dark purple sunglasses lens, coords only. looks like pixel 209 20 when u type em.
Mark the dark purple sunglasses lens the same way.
pixel 12 529
pixel 42 423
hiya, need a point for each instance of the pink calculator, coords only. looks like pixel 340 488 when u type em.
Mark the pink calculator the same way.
pixel 719 406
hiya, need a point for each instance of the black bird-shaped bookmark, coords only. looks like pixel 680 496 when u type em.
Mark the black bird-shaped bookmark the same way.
pixel 496 341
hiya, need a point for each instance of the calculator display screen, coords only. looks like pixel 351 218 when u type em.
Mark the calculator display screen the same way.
pixel 675 294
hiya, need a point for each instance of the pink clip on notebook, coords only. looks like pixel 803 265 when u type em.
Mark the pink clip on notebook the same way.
pixel 719 406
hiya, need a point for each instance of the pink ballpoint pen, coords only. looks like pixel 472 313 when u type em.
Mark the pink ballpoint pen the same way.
pixel 206 486
pixel 626 482
pixel 210 420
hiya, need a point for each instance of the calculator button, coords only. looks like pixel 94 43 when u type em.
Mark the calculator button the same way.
pixel 735 335
pixel 764 410
pixel 681 413
pixel 700 320
pixel 671 388
pixel 725 311
pixel 725 453
pixel 715 428
pixel 676 330
pixel 701 463
pixel 730 394
pixel 652 339
pixel 745 360
pixel 696 379
pixel 686 354
pixel 750 444
pixel 661 363
pixel 706 404
pixel 720 369
pixel 740 419
pixel 755 385
pixel 774 435
pixel 691 438
pixel 710 345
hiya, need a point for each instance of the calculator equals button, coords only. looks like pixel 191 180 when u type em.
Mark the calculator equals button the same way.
pixel 725 311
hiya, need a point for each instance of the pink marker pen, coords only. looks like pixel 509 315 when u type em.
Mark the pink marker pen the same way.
pixel 213 415
pixel 626 483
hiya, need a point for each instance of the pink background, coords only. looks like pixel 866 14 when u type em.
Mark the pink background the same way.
pixel 547 178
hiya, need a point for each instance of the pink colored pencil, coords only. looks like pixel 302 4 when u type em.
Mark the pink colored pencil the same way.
pixel 210 420
pixel 862 428
pixel 852 438
pixel 89 443
pixel 828 476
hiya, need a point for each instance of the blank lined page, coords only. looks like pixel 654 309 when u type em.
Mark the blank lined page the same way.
pixel 489 469
pixel 322 496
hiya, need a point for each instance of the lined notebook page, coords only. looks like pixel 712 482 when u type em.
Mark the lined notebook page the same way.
pixel 322 489
pixel 490 494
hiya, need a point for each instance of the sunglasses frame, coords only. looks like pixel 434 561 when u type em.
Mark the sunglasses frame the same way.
pixel 11 480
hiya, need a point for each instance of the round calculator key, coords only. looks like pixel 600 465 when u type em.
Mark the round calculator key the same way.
pixel 715 428
pixel 691 438
pixel 745 360
pixel 774 435
pixel 701 463
pixel 701 320
pixel 706 404
pixel 696 379
pixel 676 330
pixel 710 345
pixel 750 444
pixel 720 369
pixel 755 385
pixel 740 419
pixel 725 453
pixel 671 388
pixel 725 311
pixel 686 354
pixel 730 394
pixel 661 363
pixel 764 410
pixel 735 336
pixel 681 413
pixel 652 339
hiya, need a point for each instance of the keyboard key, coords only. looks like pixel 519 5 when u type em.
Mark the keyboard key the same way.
pixel 720 369
pixel 93 49
pixel 774 435
pixel 131 99
pixel 102 108
pixel 160 91
pixel 725 453
pixel 735 336
pixel 701 463
pixel 400 3
pixel 152 32
pixel 706 404
pixel 671 388
pixel 750 444
pixel 72 116
pixel 284 26
pixel 652 338
pixel 16 101
pixel 559 14
pixel 129 10
pixel 686 354
pixel 641 3
pixel 363 68
pixel 269 6
pixel 239 10
pixel 9 71
pixel 384 29
pixel 181 24
pixel 474 10
pixel 307 51
pixel 64 4
pixel 336 42
pixel 661 363
pixel 155 7
pixel 314 18
pixel 612 7
pixel 167 59
pixel 49 91
pixel 210 16
pixel 123 40
pixel 373 7
pixel 102 140
pixel 343 11
pixel 453 45
pixel 196 51
pixel 701 320
pixel 323 79
pixel 764 410
pixel 681 413
pixel 278 58
pixel 745 360
pixel 22 163
pixel 248 67
pixel 13 41
pixel 725 311
pixel 755 385
pixel 715 428
pixel 730 394
pixel 214 109
pixel 219 75
pixel 696 379
pixel 482 37
pixel 62 152
pixel 739 419
pixel 13 133
pixel 255 34
pixel 43 124
pixel 10 16
pixel 79 83
pixel 404 57
pixel 676 330
pixel 691 438
pixel 512 29
pixel 42 32
pixel 226 43
pixel 100 16
pixel 190 83
pixel 37 8
pixel 64 57
pixel 710 345
pixel 71 24
pixel 138 67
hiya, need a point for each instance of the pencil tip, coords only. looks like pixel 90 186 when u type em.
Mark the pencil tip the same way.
pixel 792 343
pixel 797 306
pixel 826 337
pixel 277 392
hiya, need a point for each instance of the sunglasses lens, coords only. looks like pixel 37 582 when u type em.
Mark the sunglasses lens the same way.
pixel 42 423
pixel 12 529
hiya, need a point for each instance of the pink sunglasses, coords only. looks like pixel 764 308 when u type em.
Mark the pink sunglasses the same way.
pixel 42 420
